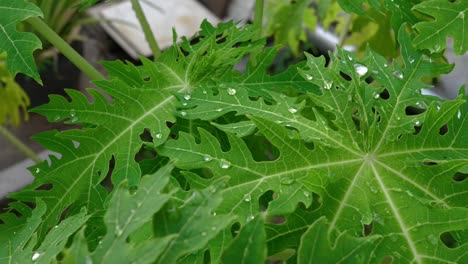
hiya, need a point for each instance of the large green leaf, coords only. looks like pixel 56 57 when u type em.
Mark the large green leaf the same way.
pixel 22 247
pixel 19 46
pixel 142 99
pixel 383 159
pixel 449 21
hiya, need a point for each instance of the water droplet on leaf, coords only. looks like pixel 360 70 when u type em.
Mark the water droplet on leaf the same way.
pixel 309 77
pixel 459 115
pixel 398 74
pixel 183 113
pixel 219 110
pixel 411 59
pixel 287 181
pixel 37 170
pixel 207 158
pixel 327 85
pixel 376 95
pixel 35 256
pixel 158 135
pixel 432 239
pixel 224 164
pixel 231 91
pixel 360 69
pixel 247 198
pixel 417 122
pixel 250 218
pixel 292 110
pixel 187 96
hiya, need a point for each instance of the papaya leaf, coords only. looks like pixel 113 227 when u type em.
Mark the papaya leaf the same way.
pixel 448 21
pixel 374 155
pixel 19 46
pixel 22 248
pixel 148 89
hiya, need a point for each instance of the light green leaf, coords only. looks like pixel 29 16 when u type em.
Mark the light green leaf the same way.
pixel 316 247
pixel 22 248
pixel 127 212
pixel 449 21
pixel 249 245
pixel 19 46
pixel 14 101
pixel 193 222
pixel 287 20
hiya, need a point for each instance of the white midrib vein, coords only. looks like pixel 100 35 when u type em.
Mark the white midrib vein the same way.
pixel 345 198
pixel 398 218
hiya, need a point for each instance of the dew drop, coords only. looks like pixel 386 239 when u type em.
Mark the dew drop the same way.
pixel 327 85
pixel 398 74
pixel 183 113
pixel 219 110
pixel 247 198
pixel 385 65
pixel 207 158
pixel 292 110
pixel 373 189
pixel 187 96
pixel 37 170
pixel 158 135
pixel 350 98
pixel 35 256
pixel 204 92
pixel 417 122
pixel 375 71
pixel 213 213
pixel 184 104
pixel 57 118
pixel 231 91
pixel 360 69
pixel 410 193
pixel 411 59
pixel 376 95
pixel 203 233
pixel 306 193
pixel 459 115
pixel 436 47
pixel 74 119
pixel 250 218
pixel 72 112
pixel 398 118
pixel 224 164
pixel 438 107
pixel 287 181
pixel 309 77
pixel 432 239
pixel 350 58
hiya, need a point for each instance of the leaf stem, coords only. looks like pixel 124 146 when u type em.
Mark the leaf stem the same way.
pixel 146 29
pixel 344 32
pixel 81 63
pixel 258 16
pixel 19 145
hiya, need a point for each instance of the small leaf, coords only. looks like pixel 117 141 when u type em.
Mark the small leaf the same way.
pixel 449 21
pixel 19 46
pixel 249 246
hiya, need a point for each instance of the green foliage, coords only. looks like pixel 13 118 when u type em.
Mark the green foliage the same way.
pixel 19 46
pixel 449 20
pixel 342 163
pixel 14 99
pixel 286 19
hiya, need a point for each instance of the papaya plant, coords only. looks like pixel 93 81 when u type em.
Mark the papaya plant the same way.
pixel 345 162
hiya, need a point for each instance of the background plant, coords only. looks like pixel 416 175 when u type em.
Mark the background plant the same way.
pixel 318 162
